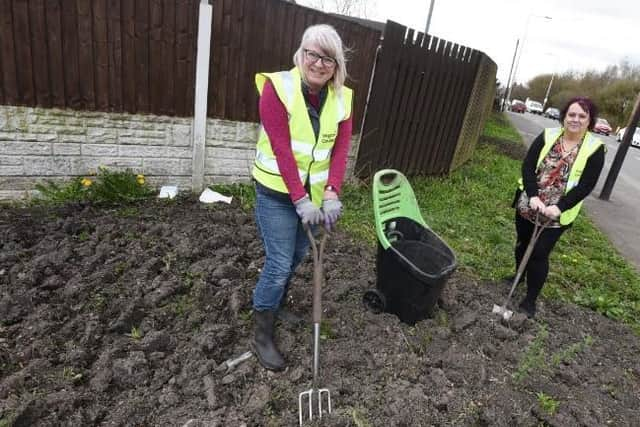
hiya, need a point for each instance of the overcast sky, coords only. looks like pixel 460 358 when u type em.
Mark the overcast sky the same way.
pixel 581 35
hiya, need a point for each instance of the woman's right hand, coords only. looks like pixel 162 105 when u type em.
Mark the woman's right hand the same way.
pixel 308 212
pixel 536 204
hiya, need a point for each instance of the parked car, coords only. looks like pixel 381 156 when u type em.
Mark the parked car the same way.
pixel 518 107
pixel 602 126
pixel 635 141
pixel 533 106
pixel 552 113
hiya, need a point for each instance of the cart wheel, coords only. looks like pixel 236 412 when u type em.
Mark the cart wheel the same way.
pixel 374 301
pixel 394 236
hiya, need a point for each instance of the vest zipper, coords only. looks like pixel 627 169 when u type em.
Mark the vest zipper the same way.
pixel 315 144
pixel 313 159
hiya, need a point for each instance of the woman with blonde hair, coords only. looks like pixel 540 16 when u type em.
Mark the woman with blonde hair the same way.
pixel 300 163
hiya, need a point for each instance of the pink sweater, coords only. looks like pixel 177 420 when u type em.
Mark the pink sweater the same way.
pixel 273 115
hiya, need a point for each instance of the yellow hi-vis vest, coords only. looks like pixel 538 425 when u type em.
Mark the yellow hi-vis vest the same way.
pixel 312 156
pixel 589 145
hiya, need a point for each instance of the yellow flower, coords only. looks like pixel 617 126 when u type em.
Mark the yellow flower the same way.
pixel 86 182
pixel 140 179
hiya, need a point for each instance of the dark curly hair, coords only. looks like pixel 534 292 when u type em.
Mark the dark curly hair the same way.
pixel 586 104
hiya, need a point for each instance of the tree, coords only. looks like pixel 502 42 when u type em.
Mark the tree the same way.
pixel 359 8
pixel 616 101
pixel 519 91
pixel 538 87
pixel 613 90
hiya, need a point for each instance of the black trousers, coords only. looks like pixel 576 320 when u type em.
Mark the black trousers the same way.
pixel 538 265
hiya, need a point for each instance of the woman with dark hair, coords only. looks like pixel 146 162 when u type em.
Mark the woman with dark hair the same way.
pixel 561 168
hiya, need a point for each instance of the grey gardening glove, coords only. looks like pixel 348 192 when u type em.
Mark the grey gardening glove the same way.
pixel 308 212
pixel 332 209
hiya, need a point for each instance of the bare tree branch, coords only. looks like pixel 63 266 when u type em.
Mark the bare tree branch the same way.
pixel 359 8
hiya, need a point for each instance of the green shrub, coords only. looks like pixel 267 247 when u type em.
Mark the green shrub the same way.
pixel 534 359
pixel 106 187
pixel 245 194
pixel 70 192
pixel 547 403
pixel 119 186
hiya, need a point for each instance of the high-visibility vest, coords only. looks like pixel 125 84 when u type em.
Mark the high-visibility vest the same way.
pixel 313 156
pixel 589 145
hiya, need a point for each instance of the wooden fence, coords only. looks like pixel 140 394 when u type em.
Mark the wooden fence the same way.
pixel 478 109
pixel 106 55
pixel 138 56
pixel 262 35
pixel 428 98
pixel 422 90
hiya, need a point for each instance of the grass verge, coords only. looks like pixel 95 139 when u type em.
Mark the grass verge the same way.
pixel 471 210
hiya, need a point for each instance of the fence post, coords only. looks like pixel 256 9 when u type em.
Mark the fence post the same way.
pixel 478 108
pixel 199 130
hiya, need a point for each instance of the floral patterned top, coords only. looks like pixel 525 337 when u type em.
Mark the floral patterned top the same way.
pixel 553 174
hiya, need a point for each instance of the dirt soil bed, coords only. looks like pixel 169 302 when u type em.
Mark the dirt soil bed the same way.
pixel 127 317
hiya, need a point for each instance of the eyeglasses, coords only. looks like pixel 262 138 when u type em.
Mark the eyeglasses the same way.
pixel 313 57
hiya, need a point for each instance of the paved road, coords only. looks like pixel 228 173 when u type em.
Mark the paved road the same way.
pixel 618 217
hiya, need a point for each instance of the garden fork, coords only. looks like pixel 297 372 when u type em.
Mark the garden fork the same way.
pixel 315 392
pixel 541 223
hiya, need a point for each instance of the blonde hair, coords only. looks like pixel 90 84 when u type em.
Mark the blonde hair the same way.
pixel 327 39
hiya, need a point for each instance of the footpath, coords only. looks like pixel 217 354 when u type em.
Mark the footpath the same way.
pixel 618 217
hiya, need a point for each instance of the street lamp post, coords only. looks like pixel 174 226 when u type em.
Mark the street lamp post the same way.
pixel 621 152
pixel 524 38
pixel 507 97
pixel 546 95
pixel 553 75
pixel 426 28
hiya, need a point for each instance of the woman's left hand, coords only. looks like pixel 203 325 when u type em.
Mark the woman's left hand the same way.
pixel 330 195
pixel 332 208
pixel 552 212
pixel 536 204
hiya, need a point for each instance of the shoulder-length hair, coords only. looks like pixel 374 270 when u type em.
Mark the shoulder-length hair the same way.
pixel 586 104
pixel 327 39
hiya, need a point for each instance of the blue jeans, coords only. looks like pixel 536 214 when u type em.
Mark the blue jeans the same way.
pixel 285 244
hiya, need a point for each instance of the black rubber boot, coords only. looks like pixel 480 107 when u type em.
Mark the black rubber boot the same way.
pixel 265 348
pixel 528 304
pixel 284 314
pixel 287 316
pixel 528 307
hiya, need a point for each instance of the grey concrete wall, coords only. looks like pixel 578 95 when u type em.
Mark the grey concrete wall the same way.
pixel 39 144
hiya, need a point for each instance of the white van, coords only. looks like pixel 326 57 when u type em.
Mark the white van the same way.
pixel 533 106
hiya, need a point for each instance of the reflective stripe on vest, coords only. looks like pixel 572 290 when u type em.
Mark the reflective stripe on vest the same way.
pixel 589 145
pixel 312 156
